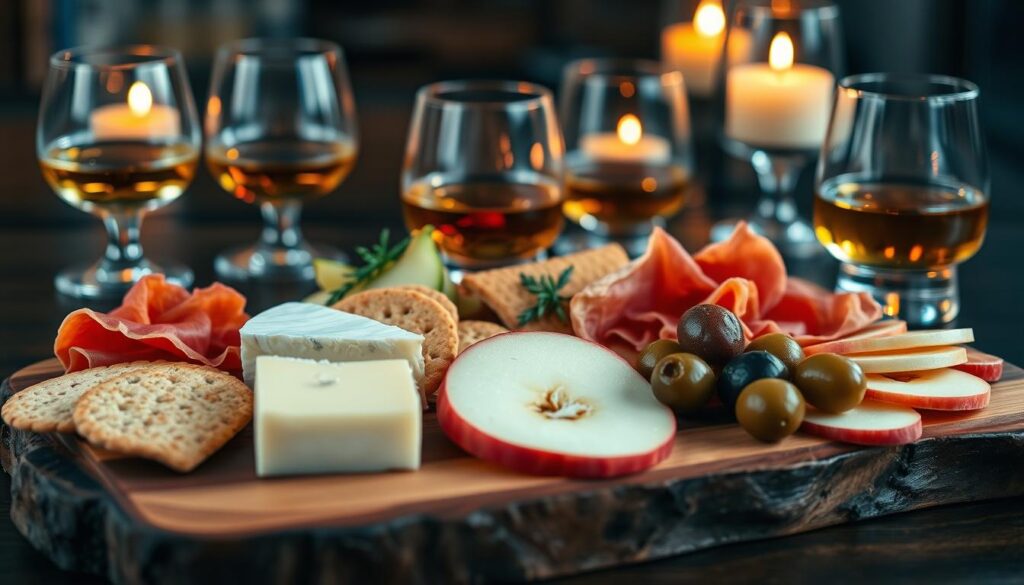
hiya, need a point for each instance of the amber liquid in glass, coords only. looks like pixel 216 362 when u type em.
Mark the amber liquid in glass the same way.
pixel 900 225
pixel 118 174
pixel 622 198
pixel 272 169
pixel 487 223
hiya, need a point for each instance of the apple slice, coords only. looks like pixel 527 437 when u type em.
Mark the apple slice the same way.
pixel 871 423
pixel 980 364
pixel 944 389
pixel 910 360
pixel 873 331
pixel 553 404
pixel 912 340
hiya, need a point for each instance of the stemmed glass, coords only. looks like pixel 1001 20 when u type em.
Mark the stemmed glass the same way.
pixel 483 165
pixel 280 130
pixel 117 136
pixel 778 79
pixel 903 190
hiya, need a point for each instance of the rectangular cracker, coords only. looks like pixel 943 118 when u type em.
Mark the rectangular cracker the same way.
pixel 501 290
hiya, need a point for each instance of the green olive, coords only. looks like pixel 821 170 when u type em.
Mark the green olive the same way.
pixel 683 382
pixel 654 352
pixel 781 346
pixel 830 382
pixel 770 409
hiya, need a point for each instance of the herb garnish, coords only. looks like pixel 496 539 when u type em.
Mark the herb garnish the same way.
pixel 546 289
pixel 377 258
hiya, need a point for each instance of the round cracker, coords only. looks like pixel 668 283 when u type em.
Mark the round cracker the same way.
pixel 415 312
pixel 471 332
pixel 435 294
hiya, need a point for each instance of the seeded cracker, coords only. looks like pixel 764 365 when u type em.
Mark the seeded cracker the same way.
pixel 501 290
pixel 471 332
pixel 436 295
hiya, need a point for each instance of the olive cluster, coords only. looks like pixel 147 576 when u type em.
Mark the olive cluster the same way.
pixel 766 382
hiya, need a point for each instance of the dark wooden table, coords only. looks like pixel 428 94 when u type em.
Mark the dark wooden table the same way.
pixel 978 542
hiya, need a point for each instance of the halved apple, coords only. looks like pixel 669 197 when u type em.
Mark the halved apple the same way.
pixel 943 389
pixel 873 331
pixel 553 404
pixel 871 423
pixel 902 341
pixel 910 360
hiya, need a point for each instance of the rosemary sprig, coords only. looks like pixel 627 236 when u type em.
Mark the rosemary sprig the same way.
pixel 548 300
pixel 377 258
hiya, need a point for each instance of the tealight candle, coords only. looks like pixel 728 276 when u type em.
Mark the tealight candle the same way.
pixel 628 144
pixel 696 48
pixel 778 104
pixel 139 119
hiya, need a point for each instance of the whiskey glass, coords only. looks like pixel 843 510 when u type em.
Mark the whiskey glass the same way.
pixel 902 190
pixel 483 165
pixel 280 130
pixel 117 136
pixel 628 147
pixel 778 77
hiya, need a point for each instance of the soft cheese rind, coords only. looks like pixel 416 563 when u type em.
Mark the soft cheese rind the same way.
pixel 305 330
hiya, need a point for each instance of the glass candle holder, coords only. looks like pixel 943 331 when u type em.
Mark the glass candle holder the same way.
pixel 117 137
pixel 903 190
pixel 776 95
pixel 628 146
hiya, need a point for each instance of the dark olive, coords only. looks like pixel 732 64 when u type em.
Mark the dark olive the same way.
pixel 744 369
pixel 830 382
pixel 654 352
pixel 781 346
pixel 683 382
pixel 711 332
pixel 770 409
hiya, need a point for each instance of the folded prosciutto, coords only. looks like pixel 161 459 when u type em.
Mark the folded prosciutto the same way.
pixel 157 320
pixel 643 301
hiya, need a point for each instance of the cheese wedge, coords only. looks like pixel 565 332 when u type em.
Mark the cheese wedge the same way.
pixel 319 417
pixel 302 330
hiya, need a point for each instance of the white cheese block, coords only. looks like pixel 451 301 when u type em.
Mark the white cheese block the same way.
pixel 321 417
pixel 304 330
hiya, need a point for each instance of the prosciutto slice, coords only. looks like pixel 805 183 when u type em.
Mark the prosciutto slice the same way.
pixel 157 320
pixel 643 301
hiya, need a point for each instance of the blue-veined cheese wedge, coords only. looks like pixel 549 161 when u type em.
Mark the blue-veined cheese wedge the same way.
pixel 304 330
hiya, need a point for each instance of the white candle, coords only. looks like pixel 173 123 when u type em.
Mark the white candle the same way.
pixel 695 48
pixel 139 119
pixel 628 144
pixel 778 104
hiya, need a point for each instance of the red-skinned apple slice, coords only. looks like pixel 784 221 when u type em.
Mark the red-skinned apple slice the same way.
pixel 980 364
pixel 553 404
pixel 873 331
pixel 903 341
pixel 944 389
pixel 871 423
pixel 910 360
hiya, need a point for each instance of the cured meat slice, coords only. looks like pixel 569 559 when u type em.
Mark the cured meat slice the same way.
pixel 643 301
pixel 157 320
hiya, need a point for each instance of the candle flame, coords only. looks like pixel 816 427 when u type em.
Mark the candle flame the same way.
pixel 709 18
pixel 140 99
pixel 629 129
pixel 780 53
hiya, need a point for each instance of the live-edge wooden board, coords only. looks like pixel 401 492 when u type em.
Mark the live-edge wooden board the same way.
pixel 462 520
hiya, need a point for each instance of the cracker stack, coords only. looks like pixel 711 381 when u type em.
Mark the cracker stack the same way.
pixel 502 291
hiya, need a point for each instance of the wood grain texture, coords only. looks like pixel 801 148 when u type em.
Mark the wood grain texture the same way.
pixel 462 520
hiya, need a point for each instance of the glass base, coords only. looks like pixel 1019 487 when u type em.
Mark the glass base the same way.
pixel 794 239
pixel 260 263
pixel 577 241
pixel 96 282
pixel 922 298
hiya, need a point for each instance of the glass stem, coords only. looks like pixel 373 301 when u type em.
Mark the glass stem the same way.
pixel 124 249
pixel 281 225
pixel 777 176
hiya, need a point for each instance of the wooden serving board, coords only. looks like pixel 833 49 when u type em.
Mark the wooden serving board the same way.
pixel 459 519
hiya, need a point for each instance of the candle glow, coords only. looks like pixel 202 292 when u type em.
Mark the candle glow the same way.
pixel 629 129
pixel 709 18
pixel 140 99
pixel 780 52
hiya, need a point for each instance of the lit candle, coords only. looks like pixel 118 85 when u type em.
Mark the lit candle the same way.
pixel 695 48
pixel 628 144
pixel 779 103
pixel 139 119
